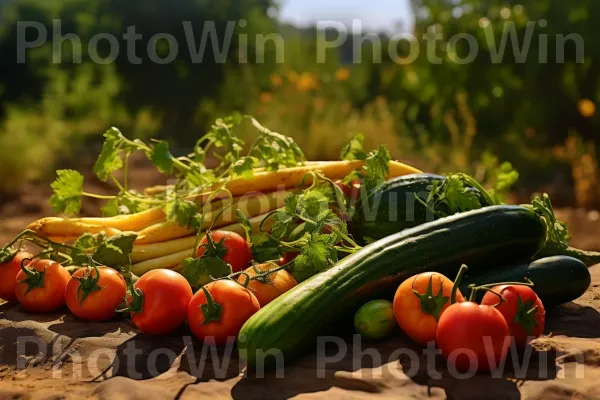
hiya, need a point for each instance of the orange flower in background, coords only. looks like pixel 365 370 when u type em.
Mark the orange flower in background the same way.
pixel 306 82
pixel 276 80
pixel 586 107
pixel 342 74
pixel 266 97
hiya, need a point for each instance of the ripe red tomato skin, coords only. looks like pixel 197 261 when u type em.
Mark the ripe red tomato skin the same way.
pixel 51 296
pixel 238 254
pixel 238 304
pixel 350 190
pixel 464 325
pixel 166 298
pixel 99 305
pixel 508 309
pixel 8 276
pixel 288 256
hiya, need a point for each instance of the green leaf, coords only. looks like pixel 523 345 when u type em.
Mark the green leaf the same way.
pixel 184 212
pixel 454 195
pixel 109 159
pixel 317 255
pixel 557 237
pixel 265 248
pixel 458 197
pixel 274 149
pixel 115 252
pixel 312 203
pixel 244 167
pixel 84 248
pixel 111 208
pixel 354 150
pixel 200 271
pixel 68 189
pixel 161 158
pixel 377 165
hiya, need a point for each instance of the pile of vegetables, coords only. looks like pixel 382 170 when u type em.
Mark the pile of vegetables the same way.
pixel 253 241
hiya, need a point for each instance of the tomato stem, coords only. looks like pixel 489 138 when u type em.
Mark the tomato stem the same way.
pixel 474 290
pixel 211 310
pixel 533 310
pixel 137 301
pixel 487 287
pixel 88 284
pixel 527 282
pixel 431 304
pixel 461 273
pixel 34 279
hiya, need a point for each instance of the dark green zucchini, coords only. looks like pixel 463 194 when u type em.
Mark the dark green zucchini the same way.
pixel 392 207
pixel 292 322
pixel 556 280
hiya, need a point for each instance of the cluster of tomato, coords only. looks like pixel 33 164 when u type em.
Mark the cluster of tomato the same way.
pixel 469 335
pixel 159 302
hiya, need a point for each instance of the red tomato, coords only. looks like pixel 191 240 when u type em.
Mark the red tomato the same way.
pixel 418 313
pixel 8 275
pixel 238 253
pixel 351 190
pixel 519 301
pixel 164 302
pixel 233 306
pixel 42 288
pixel 469 330
pixel 95 297
pixel 288 257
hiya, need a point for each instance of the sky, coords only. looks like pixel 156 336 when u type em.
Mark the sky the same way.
pixel 374 14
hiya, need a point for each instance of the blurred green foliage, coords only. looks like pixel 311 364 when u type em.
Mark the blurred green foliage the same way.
pixel 442 116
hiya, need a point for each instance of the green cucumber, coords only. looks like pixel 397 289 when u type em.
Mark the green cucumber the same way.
pixel 556 280
pixel 293 321
pixel 393 207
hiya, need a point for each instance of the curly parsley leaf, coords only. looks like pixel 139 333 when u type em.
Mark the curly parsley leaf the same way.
pixel 274 149
pixel 557 238
pixel 377 164
pixel 161 157
pixel 317 255
pixel 354 150
pixel 184 212
pixel 244 167
pixel 109 159
pixel 68 189
pixel 456 193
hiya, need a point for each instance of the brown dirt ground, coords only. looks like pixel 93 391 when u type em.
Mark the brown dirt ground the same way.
pixel 58 357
